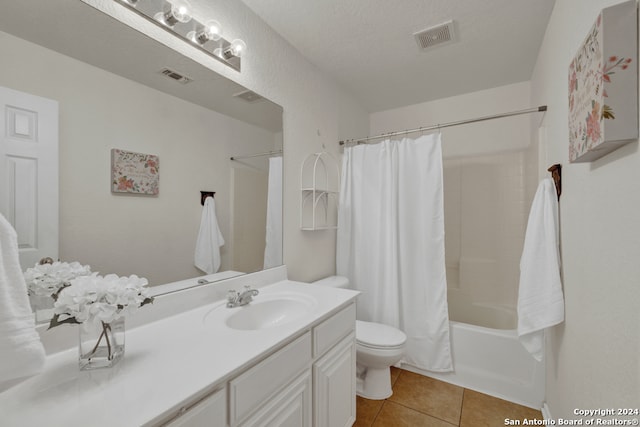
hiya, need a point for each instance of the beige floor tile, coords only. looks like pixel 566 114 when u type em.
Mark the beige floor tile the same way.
pixel 429 396
pixel 481 410
pixel 394 415
pixel 366 411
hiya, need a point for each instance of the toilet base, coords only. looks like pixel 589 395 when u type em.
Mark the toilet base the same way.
pixel 375 384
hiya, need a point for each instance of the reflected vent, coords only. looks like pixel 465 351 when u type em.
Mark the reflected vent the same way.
pixel 175 76
pixel 248 95
pixel 436 36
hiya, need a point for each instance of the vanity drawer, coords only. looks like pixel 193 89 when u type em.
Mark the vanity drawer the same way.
pixel 255 386
pixel 210 411
pixel 332 330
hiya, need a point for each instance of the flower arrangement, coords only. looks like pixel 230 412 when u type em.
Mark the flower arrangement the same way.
pixel 99 303
pixel 46 279
pixel 99 299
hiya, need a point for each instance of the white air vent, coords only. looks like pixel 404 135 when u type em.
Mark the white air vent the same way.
pixel 248 95
pixel 436 36
pixel 175 76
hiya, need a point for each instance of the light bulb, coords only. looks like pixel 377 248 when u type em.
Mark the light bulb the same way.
pixel 178 11
pixel 237 48
pixel 212 30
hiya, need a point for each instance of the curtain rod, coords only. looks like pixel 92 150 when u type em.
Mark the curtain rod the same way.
pixel 248 156
pixel 446 125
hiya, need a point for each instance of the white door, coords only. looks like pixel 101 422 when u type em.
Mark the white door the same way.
pixel 29 172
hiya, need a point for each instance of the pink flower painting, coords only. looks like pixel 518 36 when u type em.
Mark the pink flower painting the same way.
pixel 602 85
pixel 134 172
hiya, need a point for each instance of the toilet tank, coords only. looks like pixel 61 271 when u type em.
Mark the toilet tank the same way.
pixel 333 281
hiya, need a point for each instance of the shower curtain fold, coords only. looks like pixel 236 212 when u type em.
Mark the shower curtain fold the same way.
pixel 273 235
pixel 390 242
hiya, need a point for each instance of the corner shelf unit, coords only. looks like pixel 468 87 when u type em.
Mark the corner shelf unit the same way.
pixel 319 187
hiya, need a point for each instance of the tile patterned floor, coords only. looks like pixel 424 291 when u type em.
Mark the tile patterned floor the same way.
pixel 420 401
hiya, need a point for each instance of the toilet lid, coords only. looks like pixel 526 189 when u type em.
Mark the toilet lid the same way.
pixel 378 335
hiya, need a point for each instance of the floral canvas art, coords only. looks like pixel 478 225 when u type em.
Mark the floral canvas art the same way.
pixel 603 82
pixel 134 172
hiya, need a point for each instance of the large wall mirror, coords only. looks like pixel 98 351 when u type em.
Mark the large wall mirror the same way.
pixel 111 92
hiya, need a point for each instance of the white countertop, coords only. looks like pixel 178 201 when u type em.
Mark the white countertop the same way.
pixel 166 362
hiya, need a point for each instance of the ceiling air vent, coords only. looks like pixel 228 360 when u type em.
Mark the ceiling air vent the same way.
pixel 175 76
pixel 248 95
pixel 436 36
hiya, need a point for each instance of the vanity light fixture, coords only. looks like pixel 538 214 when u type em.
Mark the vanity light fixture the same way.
pixel 175 11
pixel 176 17
pixel 211 30
pixel 236 49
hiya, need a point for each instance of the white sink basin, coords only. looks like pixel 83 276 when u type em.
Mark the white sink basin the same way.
pixel 265 311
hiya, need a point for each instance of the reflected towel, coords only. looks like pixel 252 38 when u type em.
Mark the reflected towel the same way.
pixel 540 298
pixel 273 237
pixel 210 239
pixel 21 350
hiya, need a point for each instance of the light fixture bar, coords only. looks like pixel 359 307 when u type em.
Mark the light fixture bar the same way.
pixel 194 32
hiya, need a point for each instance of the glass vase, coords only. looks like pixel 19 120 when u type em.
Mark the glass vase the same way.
pixel 101 344
pixel 42 306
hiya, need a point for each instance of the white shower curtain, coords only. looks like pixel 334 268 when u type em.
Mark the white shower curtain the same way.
pixel 273 237
pixel 391 242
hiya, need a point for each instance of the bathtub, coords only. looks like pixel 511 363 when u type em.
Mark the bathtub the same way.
pixel 492 360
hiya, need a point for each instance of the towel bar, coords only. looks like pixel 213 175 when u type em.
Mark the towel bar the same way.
pixel 205 194
pixel 556 174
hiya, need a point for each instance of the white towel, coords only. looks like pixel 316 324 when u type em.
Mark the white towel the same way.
pixel 210 239
pixel 540 298
pixel 21 350
pixel 273 235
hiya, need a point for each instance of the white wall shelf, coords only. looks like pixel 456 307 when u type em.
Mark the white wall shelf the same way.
pixel 319 188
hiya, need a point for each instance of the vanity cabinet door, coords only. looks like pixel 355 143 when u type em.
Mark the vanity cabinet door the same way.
pixel 334 386
pixel 289 408
pixel 259 384
pixel 209 412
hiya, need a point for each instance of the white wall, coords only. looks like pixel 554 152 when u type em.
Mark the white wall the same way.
pixel 153 237
pixel 316 112
pixel 593 358
pixel 486 200
pixel 491 136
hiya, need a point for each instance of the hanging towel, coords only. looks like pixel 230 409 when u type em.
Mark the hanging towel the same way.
pixel 273 236
pixel 21 350
pixel 210 239
pixel 540 298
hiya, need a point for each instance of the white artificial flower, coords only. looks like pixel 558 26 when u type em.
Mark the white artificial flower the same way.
pixel 47 279
pixel 100 298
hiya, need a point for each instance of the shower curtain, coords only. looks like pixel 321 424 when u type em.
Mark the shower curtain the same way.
pixel 273 237
pixel 391 242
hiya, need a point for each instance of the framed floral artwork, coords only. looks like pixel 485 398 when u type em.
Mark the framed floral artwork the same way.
pixel 134 172
pixel 603 85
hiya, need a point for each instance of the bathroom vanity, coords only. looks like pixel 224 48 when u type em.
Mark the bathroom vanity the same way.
pixel 285 359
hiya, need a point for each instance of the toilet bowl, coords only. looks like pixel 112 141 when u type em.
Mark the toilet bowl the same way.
pixel 378 347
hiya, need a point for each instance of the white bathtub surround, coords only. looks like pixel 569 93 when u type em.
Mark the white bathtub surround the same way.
pixel 273 239
pixel 21 351
pixel 171 354
pixel 540 297
pixel 391 242
pixel 207 257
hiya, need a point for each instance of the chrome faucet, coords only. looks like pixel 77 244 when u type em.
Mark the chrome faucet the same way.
pixel 236 299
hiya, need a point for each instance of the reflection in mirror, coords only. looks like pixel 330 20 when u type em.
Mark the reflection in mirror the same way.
pixel 112 93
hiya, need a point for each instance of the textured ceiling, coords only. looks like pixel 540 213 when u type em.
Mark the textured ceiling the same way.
pixel 368 47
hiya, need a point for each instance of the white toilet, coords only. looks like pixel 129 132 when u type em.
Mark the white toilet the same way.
pixel 378 347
